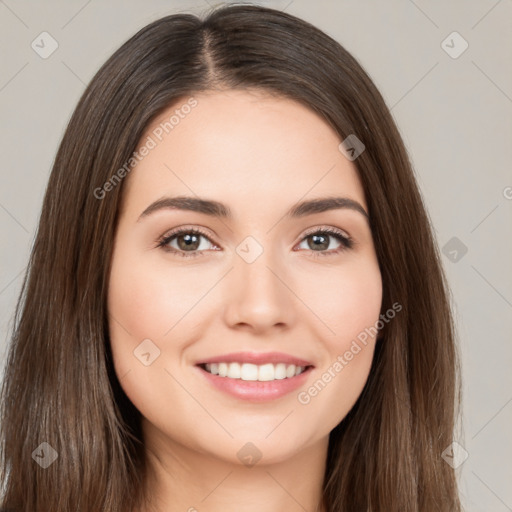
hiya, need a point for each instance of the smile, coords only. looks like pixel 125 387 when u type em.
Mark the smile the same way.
pixel 253 372
pixel 255 383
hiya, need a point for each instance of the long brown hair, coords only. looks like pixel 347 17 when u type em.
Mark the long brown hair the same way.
pixel 59 385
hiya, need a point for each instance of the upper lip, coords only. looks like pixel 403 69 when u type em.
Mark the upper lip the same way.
pixel 256 358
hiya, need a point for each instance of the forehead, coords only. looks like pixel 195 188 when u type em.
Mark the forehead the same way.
pixel 244 147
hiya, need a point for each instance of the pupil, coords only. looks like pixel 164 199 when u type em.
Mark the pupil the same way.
pixel 323 245
pixel 188 241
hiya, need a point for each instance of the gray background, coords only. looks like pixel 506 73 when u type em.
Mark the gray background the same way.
pixel 454 115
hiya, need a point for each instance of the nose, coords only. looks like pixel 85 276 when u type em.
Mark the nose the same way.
pixel 259 296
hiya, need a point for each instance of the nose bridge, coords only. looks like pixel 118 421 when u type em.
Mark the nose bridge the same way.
pixel 257 293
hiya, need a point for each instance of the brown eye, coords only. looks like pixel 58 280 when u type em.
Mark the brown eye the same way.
pixel 319 241
pixel 188 241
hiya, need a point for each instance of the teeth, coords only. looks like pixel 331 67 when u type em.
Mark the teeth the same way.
pixel 247 371
pixel 223 369
pixel 268 372
pixel 234 371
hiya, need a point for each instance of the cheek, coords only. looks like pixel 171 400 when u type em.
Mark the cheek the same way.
pixel 144 303
pixel 140 309
pixel 348 302
pixel 355 325
pixel 346 299
pixel 148 300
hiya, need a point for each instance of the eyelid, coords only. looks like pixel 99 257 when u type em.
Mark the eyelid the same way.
pixel 329 229
pixel 187 228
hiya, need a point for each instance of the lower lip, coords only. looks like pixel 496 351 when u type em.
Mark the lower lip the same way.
pixel 256 391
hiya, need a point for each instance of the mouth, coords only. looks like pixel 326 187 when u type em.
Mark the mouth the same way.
pixel 253 372
pixel 254 383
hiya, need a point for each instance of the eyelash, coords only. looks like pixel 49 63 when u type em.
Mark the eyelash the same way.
pixel 347 242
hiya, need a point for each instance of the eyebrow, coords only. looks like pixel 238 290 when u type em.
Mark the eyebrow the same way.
pixel 220 210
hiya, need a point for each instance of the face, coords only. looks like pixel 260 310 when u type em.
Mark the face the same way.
pixel 260 280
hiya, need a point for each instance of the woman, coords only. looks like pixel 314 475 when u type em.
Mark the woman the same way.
pixel 234 300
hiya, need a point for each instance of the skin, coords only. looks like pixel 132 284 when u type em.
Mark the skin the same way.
pixel 259 155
